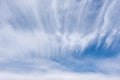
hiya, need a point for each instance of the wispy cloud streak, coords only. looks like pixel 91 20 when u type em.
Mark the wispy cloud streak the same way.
pixel 60 35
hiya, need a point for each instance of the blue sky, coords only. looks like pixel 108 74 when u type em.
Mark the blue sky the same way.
pixel 59 39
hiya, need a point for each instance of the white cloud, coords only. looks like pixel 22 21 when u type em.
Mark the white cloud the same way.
pixel 58 76
pixel 109 65
pixel 17 43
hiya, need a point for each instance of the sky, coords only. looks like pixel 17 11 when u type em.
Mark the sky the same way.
pixel 59 39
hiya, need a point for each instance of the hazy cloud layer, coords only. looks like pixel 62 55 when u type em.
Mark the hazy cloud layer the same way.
pixel 62 36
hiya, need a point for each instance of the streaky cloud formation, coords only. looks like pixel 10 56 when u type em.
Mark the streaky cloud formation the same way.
pixel 73 39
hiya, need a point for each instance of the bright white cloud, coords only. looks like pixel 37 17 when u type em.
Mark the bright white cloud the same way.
pixel 58 76
pixel 19 43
